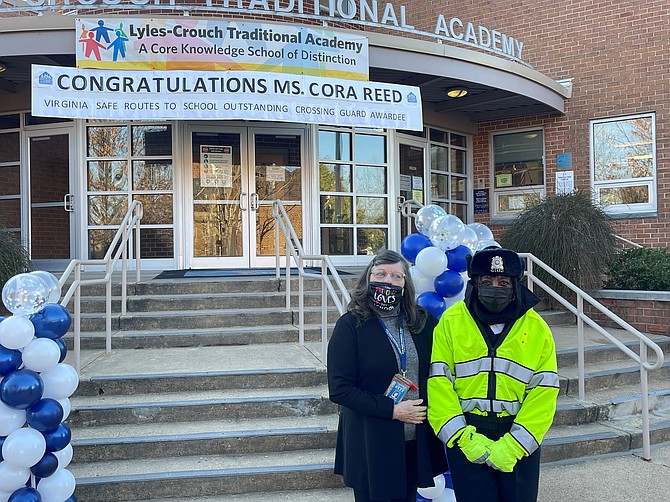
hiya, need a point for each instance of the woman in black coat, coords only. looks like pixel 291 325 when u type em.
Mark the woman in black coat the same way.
pixel 385 447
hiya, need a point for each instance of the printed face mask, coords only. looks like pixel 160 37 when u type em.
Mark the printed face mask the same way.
pixel 385 296
pixel 495 298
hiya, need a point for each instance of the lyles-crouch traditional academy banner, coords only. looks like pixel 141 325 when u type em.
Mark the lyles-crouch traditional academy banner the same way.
pixel 186 95
pixel 212 44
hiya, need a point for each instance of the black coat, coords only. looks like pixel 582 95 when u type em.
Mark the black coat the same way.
pixel 370 444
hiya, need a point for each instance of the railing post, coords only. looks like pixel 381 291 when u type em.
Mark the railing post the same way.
pixel 124 271
pixel 138 246
pixel 324 312
pixel 646 439
pixel 77 318
pixel 580 346
pixel 529 275
pixel 301 301
pixel 108 309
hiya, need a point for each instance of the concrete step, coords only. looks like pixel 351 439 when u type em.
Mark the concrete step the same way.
pixel 608 376
pixel 197 476
pixel 332 495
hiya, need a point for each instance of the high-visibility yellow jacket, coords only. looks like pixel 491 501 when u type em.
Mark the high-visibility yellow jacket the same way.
pixel 516 377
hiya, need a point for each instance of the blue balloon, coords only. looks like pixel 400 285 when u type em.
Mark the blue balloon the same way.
pixel 10 360
pixel 2 441
pixel 63 349
pixel 25 495
pixel 45 415
pixel 58 438
pixel 21 389
pixel 412 244
pixel 53 321
pixel 432 302
pixel 47 465
pixel 456 258
pixel 448 283
pixel 71 499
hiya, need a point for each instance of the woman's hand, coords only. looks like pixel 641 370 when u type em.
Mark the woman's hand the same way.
pixel 410 411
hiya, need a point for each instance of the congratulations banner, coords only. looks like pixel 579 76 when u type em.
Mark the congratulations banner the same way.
pixel 212 44
pixel 185 95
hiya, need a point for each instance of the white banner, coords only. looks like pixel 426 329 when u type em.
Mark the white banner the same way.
pixel 189 95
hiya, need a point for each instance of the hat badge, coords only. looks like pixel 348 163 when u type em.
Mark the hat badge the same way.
pixel 497 265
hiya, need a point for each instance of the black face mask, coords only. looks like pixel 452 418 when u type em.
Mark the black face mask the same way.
pixel 385 296
pixel 495 298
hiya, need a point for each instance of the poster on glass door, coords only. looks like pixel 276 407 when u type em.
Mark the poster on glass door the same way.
pixel 216 166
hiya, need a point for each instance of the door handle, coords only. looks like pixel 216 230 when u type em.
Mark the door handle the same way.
pixel 243 201
pixel 399 202
pixel 254 201
pixel 68 202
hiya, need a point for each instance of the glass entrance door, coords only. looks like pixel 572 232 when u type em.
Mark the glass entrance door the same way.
pixel 412 179
pixel 51 204
pixel 237 174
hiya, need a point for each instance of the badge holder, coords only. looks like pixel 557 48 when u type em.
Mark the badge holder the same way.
pixel 399 387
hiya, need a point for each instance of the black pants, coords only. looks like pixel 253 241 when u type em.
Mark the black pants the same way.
pixel 481 483
pixel 410 455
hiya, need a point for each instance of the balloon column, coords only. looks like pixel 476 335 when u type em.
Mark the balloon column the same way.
pixel 438 256
pixel 442 491
pixel 34 392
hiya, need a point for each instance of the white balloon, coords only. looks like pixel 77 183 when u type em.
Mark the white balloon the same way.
pixel 433 492
pixel 425 217
pixel 11 419
pixel 12 478
pixel 4 496
pixel 24 447
pixel 57 487
pixel 483 232
pixel 470 238
pixel 431 262
pixel 487 244
pixel 60 381
pixel 447 495
pixel 446 232
pixel 67 407
pixel 64 456
pixel 422 283
pixel 16 332
pixel 41 354
pixel 24 294
pixel 52 284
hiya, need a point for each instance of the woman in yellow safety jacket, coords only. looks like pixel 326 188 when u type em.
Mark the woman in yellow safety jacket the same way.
pixel 493 383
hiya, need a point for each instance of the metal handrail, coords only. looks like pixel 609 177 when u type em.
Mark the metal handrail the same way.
pixel 118 248
pixel 629 242
pixel 295 252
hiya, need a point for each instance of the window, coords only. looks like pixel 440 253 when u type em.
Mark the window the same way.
pixel 448 173
pixel 518 171
pixel 623 164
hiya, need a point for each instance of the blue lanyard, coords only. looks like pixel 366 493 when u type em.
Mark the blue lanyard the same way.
pixel 400 349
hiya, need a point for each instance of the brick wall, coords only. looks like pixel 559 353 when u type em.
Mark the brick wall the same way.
pixel 647 315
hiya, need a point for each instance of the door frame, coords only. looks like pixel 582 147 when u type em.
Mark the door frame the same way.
pixel 55 265
pixel 425 146
pixel 247 133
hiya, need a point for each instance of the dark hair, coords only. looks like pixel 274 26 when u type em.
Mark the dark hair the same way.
pixel 362 308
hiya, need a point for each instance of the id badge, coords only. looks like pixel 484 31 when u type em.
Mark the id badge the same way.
pixel 398 388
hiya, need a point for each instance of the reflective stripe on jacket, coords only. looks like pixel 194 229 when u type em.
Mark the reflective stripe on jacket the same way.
pixel 516 377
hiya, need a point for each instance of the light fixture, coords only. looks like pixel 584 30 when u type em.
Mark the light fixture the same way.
pixel 3 67
pixel 456 92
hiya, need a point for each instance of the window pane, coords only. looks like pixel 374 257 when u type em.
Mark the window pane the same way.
pixel 107 209
pixel 152 140
pixel 459 210
pixel 457 161
pixel 370 210
pixel 107 141
pixel 337 241
pixel 334 178
pixel 625 195
pixel 10 181
pixel 517 202
pixel 518 159
pixel 98 242
pixel 156 242
pixel 623 149
pixel 107 176
pixel 458 188
pixel 152 175
pixel 336 209
pixel 370 148
pixel 439 158
pixel 157 209
pixel 370 241
pixel 10 213
pixel 439 136
pixel 438 185
pixel 334 145
pixel 457 139
pixel 12 121
pixel 370 179
pixel 9 147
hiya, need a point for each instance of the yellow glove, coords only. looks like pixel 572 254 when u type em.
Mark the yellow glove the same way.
pixel 504 453
pixel 474 445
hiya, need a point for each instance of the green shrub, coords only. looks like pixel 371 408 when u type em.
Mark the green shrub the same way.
pixel 570 234
pixel 14 258
pixel 643 269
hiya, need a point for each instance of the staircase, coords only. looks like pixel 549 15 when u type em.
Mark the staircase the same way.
pixel 208 397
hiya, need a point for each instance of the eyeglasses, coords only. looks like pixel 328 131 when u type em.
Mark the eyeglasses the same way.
pixel 381 274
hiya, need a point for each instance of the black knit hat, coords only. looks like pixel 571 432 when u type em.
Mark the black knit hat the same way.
pixel 496 261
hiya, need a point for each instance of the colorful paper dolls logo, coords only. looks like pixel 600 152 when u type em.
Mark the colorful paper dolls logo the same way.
pixel 103 38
